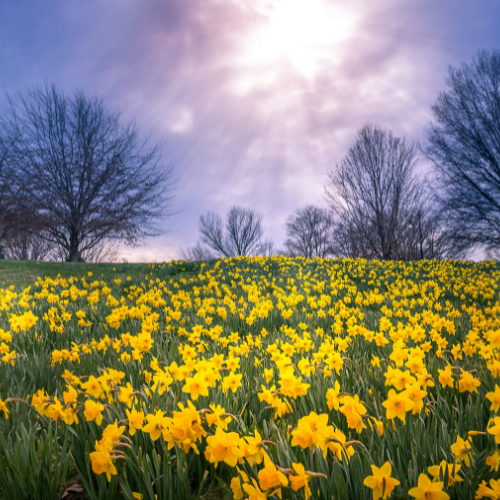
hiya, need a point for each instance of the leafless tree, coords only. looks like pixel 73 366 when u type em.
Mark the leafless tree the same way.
pixel 243 234
pixel 13 215
pixel 267 248
pixel 425 234
pixel 26 245
pixel 310 233
pixel 370 189
pixel 197 252
pixel 381 205
pixel 90 178
pixel 4 149
pixel 106 251
pixel 463 144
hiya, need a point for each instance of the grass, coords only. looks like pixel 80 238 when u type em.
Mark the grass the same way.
pixel 22 274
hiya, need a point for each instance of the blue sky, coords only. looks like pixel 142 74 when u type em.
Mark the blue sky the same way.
pixel 256 100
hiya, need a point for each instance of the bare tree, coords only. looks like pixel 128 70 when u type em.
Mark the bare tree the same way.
pixel 26 245
pixel 212 233
pixel 197 252
pixel 425 234
pixel 380 203
pixel 90 178
pixel 13 213
pixel 106 251
pixel 463 144
pixel 243 234
pixel 372 188
pixel 309 232
pixel 4 187
pixel 267 248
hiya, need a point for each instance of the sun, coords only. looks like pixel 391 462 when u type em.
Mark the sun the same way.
pixel 303 33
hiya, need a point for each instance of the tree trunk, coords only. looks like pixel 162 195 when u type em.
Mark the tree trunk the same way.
pixel 74 252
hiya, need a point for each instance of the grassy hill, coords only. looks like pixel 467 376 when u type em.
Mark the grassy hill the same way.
pixel 244 377
pixel 24 273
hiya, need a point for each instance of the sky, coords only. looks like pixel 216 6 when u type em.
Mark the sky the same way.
pixel 255 100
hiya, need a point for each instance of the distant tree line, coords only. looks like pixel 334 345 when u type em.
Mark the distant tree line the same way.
pixel 74 179
pixel 380 206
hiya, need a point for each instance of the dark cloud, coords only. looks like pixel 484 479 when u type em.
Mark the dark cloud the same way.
pixel 240 131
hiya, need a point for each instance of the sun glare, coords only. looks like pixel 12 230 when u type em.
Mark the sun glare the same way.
pixel 300 32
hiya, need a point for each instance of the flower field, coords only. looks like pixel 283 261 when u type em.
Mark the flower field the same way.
pixel 254 378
